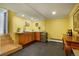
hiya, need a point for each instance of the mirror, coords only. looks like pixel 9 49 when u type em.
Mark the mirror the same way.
pixel 76 21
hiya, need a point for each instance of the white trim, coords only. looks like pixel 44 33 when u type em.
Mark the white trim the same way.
pixel 55 40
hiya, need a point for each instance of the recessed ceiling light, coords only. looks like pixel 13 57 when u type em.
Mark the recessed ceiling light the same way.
pixel 22 15
pixel 32 18
pixel 54 12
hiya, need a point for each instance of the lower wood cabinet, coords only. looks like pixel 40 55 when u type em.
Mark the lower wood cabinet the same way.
pixel 37 36
pixel 27 37
pixel 22 39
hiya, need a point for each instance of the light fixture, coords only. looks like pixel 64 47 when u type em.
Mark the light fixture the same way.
pixel 23 15
pixel 32 18
pixel 53 12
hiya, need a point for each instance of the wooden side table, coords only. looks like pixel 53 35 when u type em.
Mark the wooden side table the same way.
pixel 69 43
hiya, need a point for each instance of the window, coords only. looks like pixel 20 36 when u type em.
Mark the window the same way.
pixel 3 21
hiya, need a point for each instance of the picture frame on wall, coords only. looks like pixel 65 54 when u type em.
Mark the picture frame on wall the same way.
pixel 76 21
pixel 27 24
pixel 36 24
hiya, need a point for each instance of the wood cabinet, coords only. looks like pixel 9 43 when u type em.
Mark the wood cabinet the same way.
pixel 27 37
pixel 37 36
pixel 22 39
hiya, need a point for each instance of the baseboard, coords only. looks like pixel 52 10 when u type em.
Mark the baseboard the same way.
pixel 55 40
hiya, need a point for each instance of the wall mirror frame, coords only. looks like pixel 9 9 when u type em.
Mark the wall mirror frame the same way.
pixel 36 24
pixel 76 21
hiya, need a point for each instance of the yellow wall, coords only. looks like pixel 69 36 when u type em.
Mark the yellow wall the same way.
pixel 10 17
pixel 41 25
pixel 56 27
pixel 10 24
pixel 19 22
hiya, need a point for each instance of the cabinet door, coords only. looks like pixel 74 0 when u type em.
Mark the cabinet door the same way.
pixel 21 39
pixel 37 36
pixel 26 38
pixel 30 36
pixel 33 36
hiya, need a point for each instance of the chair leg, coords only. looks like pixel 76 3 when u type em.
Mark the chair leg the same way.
pixel 67 51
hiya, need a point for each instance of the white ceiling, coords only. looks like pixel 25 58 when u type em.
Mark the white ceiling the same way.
pixel 40 10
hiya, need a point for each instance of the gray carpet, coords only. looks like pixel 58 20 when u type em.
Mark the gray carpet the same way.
pixel 41 49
